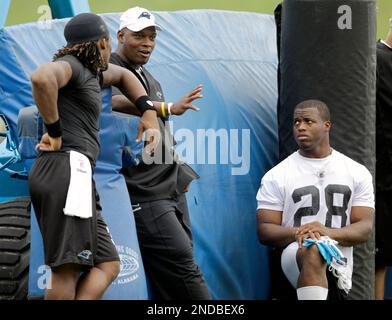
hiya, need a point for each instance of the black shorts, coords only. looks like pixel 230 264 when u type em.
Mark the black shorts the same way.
pixel 67 239
pixel 383 228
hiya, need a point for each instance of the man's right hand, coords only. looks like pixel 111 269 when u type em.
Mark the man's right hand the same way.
pixel 300 237
pixel 48 143
pixel 149 125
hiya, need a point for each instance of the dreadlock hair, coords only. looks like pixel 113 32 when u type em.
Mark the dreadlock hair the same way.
pixel 87 53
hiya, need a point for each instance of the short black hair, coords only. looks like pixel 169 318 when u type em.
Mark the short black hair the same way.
pixel 319 105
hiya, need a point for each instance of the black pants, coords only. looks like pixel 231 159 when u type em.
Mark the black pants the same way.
pixel 383 228
pixel 166 245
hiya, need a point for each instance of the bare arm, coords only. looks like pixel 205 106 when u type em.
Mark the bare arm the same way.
pixel 122 104
pixel 46 82
pixel 270 230
pixel 125 80
pixel 131 87
pixel 357 232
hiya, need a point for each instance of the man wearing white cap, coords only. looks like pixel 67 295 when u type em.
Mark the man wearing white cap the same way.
pixel 157 190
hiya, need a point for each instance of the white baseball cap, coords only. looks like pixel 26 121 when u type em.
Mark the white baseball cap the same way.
pixel 136 19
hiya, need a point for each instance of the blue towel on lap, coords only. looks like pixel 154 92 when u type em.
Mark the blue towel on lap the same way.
pixel 335 259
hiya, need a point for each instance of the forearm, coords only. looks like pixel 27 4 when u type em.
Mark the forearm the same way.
pixel 352 234
pixel 45 93
pixel 276 235
pixel 122 104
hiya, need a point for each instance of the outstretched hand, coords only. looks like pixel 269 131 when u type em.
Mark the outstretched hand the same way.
pixel 185 103
pixel 48 143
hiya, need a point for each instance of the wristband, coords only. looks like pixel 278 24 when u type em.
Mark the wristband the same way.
pixel 143 104
pixel 163 109
pixel 54 129
pixel 169 105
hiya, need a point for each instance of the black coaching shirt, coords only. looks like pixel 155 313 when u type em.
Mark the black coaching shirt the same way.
pixel 384 118
pixel 79 105
pixel 149 182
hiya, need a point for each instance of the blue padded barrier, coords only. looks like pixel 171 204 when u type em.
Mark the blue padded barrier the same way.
pixel 4 7
pixel 68 8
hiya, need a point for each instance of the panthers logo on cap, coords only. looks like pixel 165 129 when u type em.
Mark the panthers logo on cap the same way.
pixel 145 14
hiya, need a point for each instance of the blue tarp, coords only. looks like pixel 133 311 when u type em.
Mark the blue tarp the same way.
pixel 233 54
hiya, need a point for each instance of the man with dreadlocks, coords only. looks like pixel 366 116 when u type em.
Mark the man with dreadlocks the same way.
pixel 77 244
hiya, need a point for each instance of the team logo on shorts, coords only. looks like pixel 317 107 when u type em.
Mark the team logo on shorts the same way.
pixel 85 254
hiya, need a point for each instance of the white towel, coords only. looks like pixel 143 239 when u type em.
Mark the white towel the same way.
pixel 79 196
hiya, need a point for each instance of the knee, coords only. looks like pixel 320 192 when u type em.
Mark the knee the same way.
pixel 312 259
pixel 64 291
pixel 63 294
pixel 62 283
pixel 184 256
pixel 111 269
pixel 115 269
pixel 182 260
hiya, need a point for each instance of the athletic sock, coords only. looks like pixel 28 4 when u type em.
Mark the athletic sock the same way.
pixel 312 293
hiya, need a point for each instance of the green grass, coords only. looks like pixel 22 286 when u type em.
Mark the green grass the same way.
pixel 22 11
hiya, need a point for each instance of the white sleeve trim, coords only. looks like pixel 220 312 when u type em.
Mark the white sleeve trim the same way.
pixel 360 203
pixel 267 206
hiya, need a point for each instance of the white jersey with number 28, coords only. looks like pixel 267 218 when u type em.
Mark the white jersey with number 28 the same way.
pixel 311 189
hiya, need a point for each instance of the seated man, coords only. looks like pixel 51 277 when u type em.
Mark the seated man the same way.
pixel 316 191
